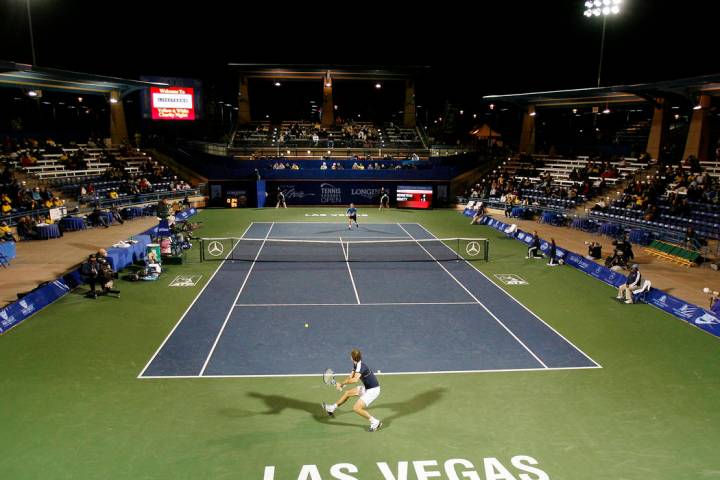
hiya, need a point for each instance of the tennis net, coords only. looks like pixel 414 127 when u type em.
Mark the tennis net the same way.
pixel 294 250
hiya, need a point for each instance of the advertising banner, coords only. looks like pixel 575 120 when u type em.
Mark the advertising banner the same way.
pixel 704 319
pixel 329 193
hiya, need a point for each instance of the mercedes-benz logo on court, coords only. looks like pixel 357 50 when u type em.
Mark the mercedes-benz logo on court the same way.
pixel 215 248
pixel 472 248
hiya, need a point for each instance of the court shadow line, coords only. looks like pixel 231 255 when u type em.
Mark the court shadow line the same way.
pixel 276 404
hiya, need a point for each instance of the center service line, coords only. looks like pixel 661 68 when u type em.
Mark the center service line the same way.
pixel 222 329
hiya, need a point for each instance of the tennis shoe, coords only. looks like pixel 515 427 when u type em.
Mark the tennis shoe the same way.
pixel 628 301
pixel 325 407
pixel 374 427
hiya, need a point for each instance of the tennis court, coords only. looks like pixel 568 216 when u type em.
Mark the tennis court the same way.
pixel 291 299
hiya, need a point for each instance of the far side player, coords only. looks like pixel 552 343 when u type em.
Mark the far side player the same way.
pixel 352 216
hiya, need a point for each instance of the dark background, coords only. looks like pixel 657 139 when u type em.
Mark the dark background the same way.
pixel 473 49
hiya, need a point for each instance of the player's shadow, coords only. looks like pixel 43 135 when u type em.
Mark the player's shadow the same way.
pixel 412 406
pixel 276 404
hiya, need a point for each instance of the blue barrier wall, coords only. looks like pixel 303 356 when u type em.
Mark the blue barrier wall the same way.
pixel 699 317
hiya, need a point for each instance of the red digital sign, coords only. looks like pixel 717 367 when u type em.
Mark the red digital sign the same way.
pixel 414 197
pixel 172 103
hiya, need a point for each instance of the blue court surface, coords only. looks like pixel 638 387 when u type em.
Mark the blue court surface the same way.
pixel 421 313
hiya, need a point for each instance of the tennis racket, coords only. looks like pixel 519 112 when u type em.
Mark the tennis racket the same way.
pixel 329 377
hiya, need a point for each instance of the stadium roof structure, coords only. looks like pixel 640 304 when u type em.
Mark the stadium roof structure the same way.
pixel 21 75
pixel 320 71
pixel 685 89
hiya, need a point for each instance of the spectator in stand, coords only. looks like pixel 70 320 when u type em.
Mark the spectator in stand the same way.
pixel 163 209
pixel 6 234
pixel 634 280
pixel 6 207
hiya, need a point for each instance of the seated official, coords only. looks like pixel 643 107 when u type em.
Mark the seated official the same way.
pixel 594 250
pixel 534 248
pixel 27 229
pixel 634 281
pixel 98 218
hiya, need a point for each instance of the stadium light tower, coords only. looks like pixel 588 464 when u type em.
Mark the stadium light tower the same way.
pixel 603 8
pixel 32 40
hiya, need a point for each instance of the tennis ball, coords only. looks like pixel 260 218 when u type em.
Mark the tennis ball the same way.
pixel 307 326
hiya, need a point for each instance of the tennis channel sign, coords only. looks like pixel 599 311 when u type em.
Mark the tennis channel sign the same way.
pixel 510 279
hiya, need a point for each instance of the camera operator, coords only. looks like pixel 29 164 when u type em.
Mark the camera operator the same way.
pixel 106 276
pixel 89 272
pixel 594 250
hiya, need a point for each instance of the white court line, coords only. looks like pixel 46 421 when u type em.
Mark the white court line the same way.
pixel 349 304
pixel 227 317
pixel 480 303
pixel 182 317
pixel 346 253
pixel 439 372
pixel 523 306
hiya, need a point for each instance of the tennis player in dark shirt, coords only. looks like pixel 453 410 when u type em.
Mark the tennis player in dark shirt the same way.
pixel 368 391
pixel 352 216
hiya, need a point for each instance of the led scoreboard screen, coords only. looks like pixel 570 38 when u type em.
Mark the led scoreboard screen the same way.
pixel 172 103
pixel 414 197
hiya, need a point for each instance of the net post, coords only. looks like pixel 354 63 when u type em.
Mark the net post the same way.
pixel 202 250
pixel 487 249
pixel 457 250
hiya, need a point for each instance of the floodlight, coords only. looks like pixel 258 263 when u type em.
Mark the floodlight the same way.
pixel 474 115
pixel 378 85
pixel 462 112
pixel 588 4
pixel 607 3
pixel 606 111
pixel 597 3
pixel 615 9
pixel 277 84
pixel 697 107
pixel 492 106
pixel 532 114
pixel 606 11
pixel 597 12
pixel 32 93
pixel 588 13
pixel 113 100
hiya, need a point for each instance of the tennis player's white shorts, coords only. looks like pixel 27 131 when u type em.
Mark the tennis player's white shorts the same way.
pixel 369 396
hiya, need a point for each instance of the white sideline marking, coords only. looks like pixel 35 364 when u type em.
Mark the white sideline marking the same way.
pixel 348 304
pixel 182 317
pixel 480 303
pixel 523 306
pixel 232 307
pixel 346 254
pixel 439 372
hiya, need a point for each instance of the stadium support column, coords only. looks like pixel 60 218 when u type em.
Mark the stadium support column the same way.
pixel 243 117
pixel 658 128
pixel 697 143
pixel 527 136
pixel 328 109
pixel 409 110
pixel 118 127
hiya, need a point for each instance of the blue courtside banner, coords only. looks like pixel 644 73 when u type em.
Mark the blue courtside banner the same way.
pixel 704 319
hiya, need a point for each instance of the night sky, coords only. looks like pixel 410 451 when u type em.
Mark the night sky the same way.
pixel 474 48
